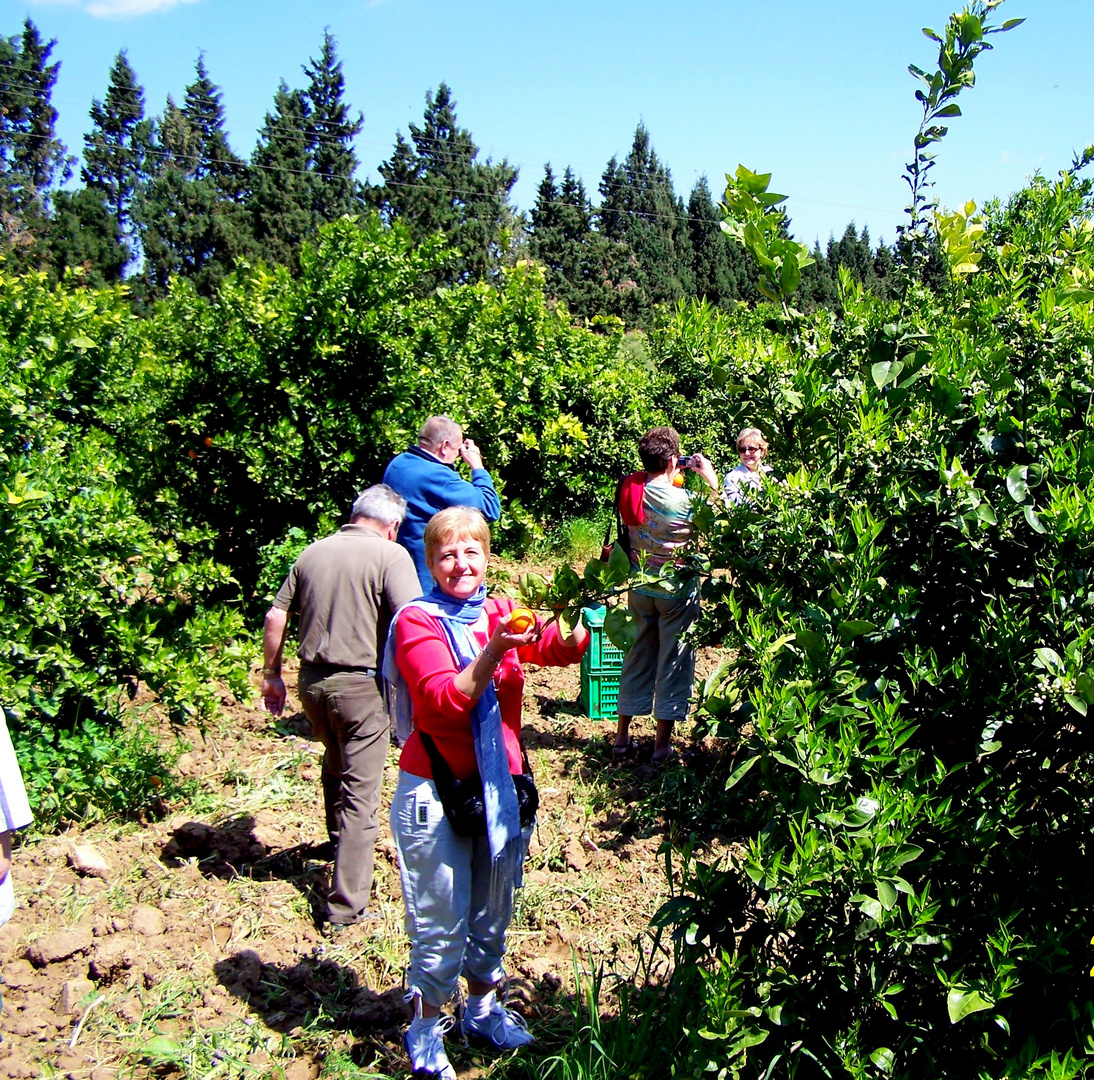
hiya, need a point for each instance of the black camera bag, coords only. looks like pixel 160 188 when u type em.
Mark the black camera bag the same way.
pixel 463 800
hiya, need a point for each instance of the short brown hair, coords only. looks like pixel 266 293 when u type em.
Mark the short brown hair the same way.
pixel 657 447
pixel 462 522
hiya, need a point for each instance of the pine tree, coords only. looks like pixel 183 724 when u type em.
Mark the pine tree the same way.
pixel 330 133
pixel 819 287
pixel 639 207
pixel 575 257
pixel 722 271
pixel 83 235
pixel 116 150
pixel 884 270
pixel 282 201
pixel 192 215
pixel 32 159
pixel 437 185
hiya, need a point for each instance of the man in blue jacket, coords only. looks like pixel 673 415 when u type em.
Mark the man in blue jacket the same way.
pixel 425 476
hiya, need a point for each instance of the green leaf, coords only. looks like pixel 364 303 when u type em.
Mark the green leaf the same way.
pixel 81 341
pixel 162 1046
pixel 948 110
pixel 620 627
pixel 619 563
pixel 1084 686
pixel 738 774
pixel 851 628
pixel 870 907
pixel 1017 487
pixel 1076 703
pixel 886 894
pixel 883 372
pixel 906 853
pixel 883 1058
pixel 1049 659
pixel 813 643
pixel 962 1003
pixel 1033 519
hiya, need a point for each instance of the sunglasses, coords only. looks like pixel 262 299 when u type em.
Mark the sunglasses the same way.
pixel 750 449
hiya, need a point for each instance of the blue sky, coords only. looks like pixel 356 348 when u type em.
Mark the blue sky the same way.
pixel 816 93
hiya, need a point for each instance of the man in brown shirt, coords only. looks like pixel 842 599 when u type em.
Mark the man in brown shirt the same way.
pixel 345 589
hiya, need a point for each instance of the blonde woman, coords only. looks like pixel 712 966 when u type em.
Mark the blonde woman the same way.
pixel 453 665
pixel 748 475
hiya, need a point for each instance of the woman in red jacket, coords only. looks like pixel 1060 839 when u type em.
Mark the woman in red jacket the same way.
pixel 454 672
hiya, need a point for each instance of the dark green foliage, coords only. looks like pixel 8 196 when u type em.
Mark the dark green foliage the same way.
pixel 330 133
pixel 639 208
pixel 435 184
pixel 721 271
pixel 93 597
pixel 32 158
pixel 84 236
pixel 576 258
pixel 912 608
pixel 282 198
pixel 116 150
pixel 272 407
pixel 192 215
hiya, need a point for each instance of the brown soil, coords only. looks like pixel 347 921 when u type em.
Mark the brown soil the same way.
pixel 198 949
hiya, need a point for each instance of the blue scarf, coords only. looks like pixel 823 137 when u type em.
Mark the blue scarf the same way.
pixel 457 617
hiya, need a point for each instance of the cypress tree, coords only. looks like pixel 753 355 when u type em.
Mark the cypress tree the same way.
pixel 438 185
pixel 282 199
pixel 84 235
pixel 116 150
pixel 640 207
pixel 575 257
pixel 721 268
pixel 330 135
pixel 192 215
pixel 32 158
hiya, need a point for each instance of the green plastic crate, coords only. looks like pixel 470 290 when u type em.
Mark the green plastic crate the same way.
pixel 599 694
pixel 601 654
pixel 600 667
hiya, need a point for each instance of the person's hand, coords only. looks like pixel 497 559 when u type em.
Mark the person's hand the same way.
pixel 470 453
pixel 273 694
pixel 503 639
pixel 702 465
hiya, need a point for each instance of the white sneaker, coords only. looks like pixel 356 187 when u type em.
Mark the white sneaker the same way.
pixel 425 1048
pixel 503 1027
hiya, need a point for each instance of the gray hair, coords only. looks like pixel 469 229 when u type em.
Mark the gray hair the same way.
pixel 438 429
pixel 380 503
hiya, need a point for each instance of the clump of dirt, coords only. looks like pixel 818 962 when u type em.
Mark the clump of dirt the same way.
pixel 194 943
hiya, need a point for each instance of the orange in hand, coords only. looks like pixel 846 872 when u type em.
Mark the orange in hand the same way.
pixel 521 620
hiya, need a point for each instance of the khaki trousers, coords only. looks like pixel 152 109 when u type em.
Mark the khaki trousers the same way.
pixel 346 712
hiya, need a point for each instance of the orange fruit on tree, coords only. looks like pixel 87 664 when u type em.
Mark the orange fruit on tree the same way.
pixel 521 620
pixel 678 480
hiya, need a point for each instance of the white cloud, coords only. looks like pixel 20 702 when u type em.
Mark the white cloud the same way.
pixel 120 9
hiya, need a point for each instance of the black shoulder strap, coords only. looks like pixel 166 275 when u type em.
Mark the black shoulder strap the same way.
pixel 442 774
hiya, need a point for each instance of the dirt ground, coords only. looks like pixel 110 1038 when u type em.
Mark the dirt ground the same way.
pixel 195 948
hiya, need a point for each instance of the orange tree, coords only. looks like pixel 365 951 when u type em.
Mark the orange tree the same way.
pixel 912 607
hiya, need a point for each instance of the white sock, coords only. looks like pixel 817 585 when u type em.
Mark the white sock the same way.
pixel 423 1023
pixel 479 1005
